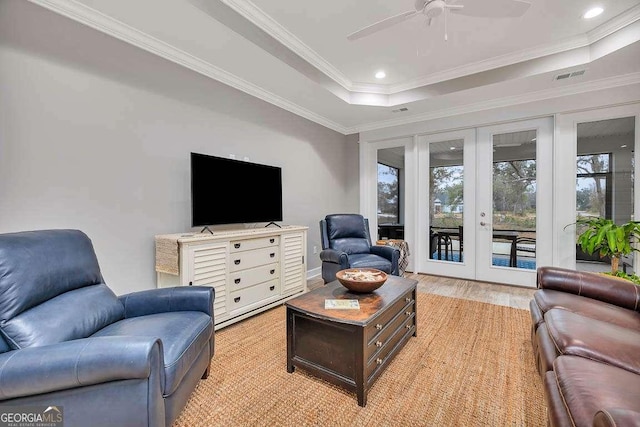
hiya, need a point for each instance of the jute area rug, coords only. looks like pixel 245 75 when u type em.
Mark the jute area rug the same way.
pixel 470 365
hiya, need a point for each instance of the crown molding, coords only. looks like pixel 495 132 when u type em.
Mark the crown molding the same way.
pixel 260 19
pixel 608 83
pixel 115 28
pixel 615 24
pixel 86 15
pixel 493 63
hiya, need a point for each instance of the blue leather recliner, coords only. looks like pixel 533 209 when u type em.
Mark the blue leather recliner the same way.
pixel 66 340
pixel 346 243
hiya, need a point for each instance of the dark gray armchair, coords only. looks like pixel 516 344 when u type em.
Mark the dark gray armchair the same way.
pixel 67 340
pixel 346 243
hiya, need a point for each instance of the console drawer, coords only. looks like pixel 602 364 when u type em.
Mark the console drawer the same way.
pixel 254 258
pixel 253 294
pixel 244 278
pixel 249 244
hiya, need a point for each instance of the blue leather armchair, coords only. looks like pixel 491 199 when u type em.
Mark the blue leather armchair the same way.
pixel 346 243
pixel 67 340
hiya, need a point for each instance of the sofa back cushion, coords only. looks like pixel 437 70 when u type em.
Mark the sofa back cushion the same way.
pixel 348 233
pixel 51 288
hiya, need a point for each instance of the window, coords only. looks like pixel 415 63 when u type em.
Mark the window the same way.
pixel 593 185
pixel 388 194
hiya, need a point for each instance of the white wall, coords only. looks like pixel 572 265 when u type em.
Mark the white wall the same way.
pixel 96 134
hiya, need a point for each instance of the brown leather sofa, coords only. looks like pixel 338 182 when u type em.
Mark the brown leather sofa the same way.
pixel 586 341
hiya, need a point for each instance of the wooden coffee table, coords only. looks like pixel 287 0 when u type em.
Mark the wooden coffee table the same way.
pixel 350 347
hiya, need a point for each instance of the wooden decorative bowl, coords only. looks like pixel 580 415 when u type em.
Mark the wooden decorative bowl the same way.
pixel 362 280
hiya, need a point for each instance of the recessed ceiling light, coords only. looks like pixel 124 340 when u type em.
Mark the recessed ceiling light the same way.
pixel 452 148
pixel 623 146
pixel 593 12
pixel 381 75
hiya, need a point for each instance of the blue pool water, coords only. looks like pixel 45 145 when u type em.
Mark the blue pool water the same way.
pixel 529 264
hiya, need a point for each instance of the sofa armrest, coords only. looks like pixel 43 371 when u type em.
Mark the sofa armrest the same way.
pixel 622 293
pixel 615 417
pixel 163 300
pixel 332 255
pixel 78 363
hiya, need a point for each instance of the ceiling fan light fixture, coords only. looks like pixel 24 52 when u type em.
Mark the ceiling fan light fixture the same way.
pixel 434 9
pixel 593 12
pixel 381 75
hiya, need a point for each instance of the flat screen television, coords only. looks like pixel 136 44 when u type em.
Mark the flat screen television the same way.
pixel 228 191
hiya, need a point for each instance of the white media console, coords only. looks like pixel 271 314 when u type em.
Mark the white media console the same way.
pixel 251 270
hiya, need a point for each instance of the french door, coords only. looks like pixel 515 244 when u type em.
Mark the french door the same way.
pixel 485 200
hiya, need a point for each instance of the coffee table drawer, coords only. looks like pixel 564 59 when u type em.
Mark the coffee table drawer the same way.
pixel 379 341
pixel 391 346
pixel 375 328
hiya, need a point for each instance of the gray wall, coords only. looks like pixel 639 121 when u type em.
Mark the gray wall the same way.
pixel 95 134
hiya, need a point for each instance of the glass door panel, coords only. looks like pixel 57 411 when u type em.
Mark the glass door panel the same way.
pixel 514 200
pixel 446 200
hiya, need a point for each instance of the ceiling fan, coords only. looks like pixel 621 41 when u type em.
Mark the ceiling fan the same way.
pixel 434 8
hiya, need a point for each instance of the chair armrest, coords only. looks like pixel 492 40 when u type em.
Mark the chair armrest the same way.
pixel 388 252
pixel 163 300
pixel 78 363
pixel 612 290
pixel 616 417
pixel 332 255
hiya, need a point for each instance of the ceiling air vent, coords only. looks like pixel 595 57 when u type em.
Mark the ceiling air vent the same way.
pixel 564 76
pixel 400 110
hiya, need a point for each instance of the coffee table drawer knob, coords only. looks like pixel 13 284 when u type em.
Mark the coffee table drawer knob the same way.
pixel 378 343
pixel 378 326
pixel 379 361
pixel 407 299
pixel 408 313
pixel 408 326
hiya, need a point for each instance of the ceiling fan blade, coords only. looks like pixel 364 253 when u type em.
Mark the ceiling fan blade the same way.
pixel 381 25
pixel 493 8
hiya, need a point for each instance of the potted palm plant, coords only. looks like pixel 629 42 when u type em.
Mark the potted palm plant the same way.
pixel 609 240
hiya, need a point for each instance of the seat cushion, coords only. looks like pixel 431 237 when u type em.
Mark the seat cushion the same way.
pixel 184 335
pixel 578 335
pixel 370 261
pixel 587 386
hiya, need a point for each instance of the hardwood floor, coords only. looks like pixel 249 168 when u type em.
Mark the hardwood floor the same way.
pixel 492 293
